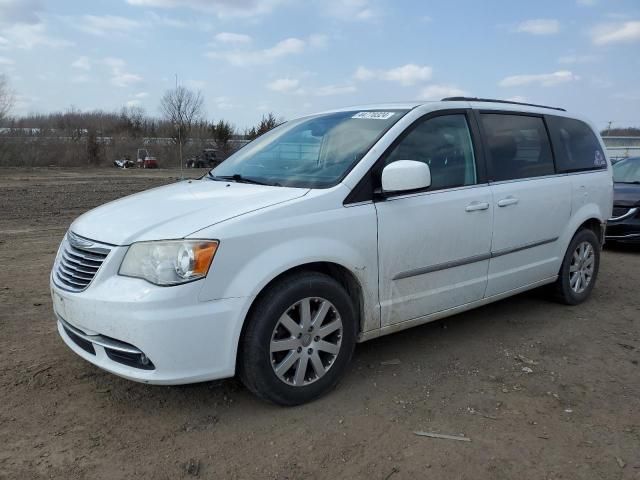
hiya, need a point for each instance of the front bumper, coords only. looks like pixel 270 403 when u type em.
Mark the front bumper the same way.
pixel 151 334
pixel 624 228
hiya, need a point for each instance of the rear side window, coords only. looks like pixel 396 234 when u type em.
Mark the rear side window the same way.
pixel 518 146
pixel 577 147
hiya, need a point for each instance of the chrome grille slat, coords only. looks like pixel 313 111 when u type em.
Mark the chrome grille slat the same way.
pixel 77 274
pixel 73 252
pixel 75 261
pixel 79 262
pixel 78 266
pixel 69 279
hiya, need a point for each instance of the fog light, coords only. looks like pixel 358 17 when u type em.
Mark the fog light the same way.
pixel 144 360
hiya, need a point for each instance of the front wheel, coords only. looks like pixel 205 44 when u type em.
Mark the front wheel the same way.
pixel 299 339
pixel 579 269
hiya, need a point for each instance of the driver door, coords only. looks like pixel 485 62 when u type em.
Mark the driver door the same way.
pixel 434 245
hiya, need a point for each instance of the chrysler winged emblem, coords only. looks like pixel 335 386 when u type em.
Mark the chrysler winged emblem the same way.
pixel 79 242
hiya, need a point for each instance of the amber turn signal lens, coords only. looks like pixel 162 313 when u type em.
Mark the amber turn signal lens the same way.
pixel 203 256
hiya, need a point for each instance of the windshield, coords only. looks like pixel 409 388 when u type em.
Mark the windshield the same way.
pixel 312 152
pixel 627 171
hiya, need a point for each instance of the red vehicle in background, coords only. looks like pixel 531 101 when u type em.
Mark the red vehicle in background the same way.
pixel 145 159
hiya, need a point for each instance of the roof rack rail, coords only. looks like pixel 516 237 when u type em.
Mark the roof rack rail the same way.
pixel 476 99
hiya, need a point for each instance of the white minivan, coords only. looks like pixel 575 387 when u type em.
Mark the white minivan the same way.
pixel 329 230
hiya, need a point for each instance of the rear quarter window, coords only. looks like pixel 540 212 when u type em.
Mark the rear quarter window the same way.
pixel 576 145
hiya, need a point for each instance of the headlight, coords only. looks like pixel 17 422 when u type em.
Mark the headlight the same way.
pixel 169 262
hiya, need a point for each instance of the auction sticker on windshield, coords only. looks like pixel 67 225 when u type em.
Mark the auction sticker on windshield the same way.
pixel 374 115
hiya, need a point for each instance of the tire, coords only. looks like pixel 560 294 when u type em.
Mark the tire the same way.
pixel 565 290
pixel 325 301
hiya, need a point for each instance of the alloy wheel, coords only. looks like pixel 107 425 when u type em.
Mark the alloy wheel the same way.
pixel 306 341
pixel 582 267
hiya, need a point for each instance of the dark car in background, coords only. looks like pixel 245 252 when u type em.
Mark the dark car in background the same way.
pixel 624 226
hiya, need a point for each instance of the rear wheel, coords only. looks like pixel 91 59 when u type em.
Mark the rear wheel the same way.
pixel 299 339
pixel 579 269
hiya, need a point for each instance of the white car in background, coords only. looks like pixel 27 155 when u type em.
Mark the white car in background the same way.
pixel 329 230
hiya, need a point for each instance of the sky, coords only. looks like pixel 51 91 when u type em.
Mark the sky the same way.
pixel 295 57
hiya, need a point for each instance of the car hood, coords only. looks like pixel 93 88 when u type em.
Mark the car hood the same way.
pixel 626 194
pixel 175 211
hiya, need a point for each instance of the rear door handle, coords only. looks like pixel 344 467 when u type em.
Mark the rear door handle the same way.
pixel 505 202
pixel 474 206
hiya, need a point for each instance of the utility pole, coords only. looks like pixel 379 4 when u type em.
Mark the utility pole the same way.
pixel 609 128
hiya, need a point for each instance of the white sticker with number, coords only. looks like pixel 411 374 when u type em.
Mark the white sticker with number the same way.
pixel 374 115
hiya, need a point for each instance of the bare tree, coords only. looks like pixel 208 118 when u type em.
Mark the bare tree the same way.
pixel 183 108
pixel 6 98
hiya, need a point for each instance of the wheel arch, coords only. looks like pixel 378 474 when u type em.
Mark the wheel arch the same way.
pixel 344 276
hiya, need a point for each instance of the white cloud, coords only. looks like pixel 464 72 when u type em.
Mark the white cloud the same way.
pixel 328 90
pixel 409 74
pixel 220 8
pixel 284 85
pixel 141 95
pixel 624 32
pixel 405 75
pixel 27 36
pixel 240 58
pixel 350 10
pixel 82 63
pixel 586 3
pixel 164 21
pixel 6 61
pixel 106 24
pixel 133 103
pixel 233 38
pixel 542 79
pixel 518 98
pixel 539 26
pixel 438 92
pixel 119 76
pixel 363 73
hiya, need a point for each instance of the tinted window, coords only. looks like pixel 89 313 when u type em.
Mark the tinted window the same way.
pixel 518 146
pixel 443 143
pixel 577 147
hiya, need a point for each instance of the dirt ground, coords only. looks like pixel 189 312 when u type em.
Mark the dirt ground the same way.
pixel 575 415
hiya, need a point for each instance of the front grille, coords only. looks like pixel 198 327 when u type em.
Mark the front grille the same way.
pixel 78 262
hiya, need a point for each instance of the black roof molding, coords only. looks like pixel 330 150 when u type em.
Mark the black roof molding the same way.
pixel 475 99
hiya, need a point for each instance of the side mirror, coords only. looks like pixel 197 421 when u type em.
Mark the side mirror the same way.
pixel 404 175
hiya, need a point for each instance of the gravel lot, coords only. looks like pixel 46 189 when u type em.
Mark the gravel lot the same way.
pixel 575 415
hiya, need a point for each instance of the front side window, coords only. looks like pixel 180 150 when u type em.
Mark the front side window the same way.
pixel 518 146
pixel 577 147
pixel 312 152
pixel 443 143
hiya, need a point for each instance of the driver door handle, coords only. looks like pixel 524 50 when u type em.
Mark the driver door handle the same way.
pixel 475 206
pixel 505 202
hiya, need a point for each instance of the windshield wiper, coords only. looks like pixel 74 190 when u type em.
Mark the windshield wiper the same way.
pixel 236 177
pixel 635 182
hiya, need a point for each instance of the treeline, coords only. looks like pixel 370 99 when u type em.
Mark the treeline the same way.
pixel 96 138
pixel 621 132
